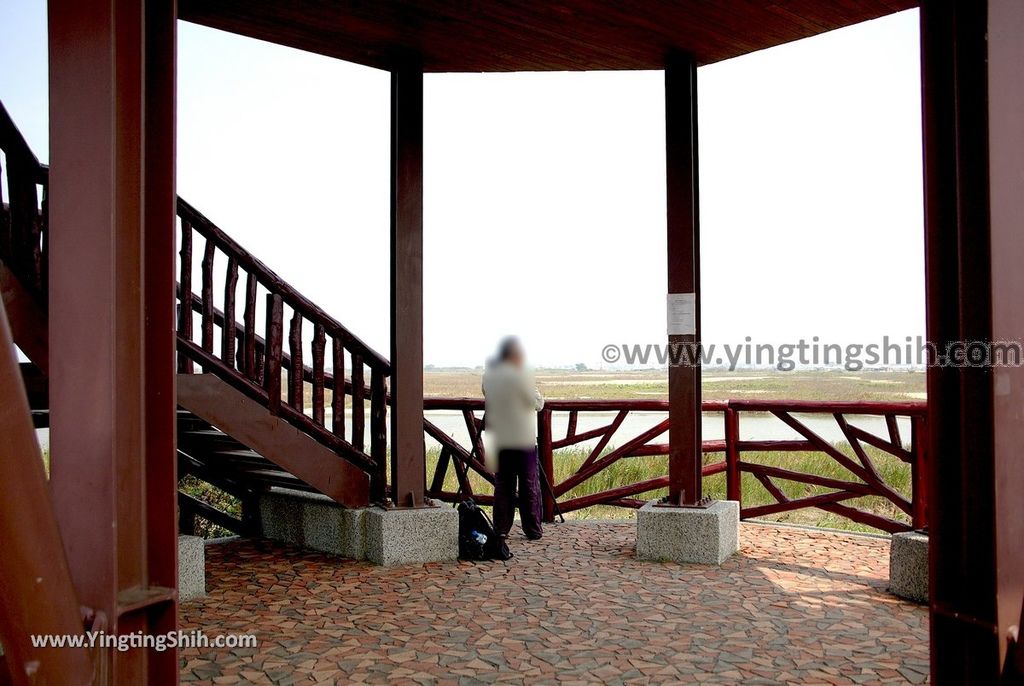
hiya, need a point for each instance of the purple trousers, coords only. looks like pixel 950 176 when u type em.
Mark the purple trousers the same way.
pixel 518 469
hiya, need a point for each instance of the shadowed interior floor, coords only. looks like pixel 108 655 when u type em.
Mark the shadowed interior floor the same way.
pixel 794 606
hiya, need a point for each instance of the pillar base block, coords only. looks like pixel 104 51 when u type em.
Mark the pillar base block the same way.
pixel 392 536
pixel 412 536
pixel 191 567
pixel 314 521
pixel 908 566
pixel 705 535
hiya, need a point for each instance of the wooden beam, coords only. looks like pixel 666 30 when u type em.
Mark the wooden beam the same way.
pixel 683 276
pixel 293 450
pixel 407 451
pixel 972 95
pixel 33 564
pixel 159 312
pixel 1005 62
pixel 111 435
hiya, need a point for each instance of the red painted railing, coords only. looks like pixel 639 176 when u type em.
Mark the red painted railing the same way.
pixel 606 444
pixel 260 367
pixel 23 211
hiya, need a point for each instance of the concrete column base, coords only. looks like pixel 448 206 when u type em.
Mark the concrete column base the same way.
pixel 385 537
pixel 312 520
pixel 681 534
pixel 908 566
pixel 425 534
pixel 191 567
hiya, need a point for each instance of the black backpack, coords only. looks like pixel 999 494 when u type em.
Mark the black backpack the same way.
pixel 477 539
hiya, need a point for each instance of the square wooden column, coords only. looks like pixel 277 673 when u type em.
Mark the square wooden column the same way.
pixel 407 449
pixel 972 58
pixel 684 398
pixel 111 308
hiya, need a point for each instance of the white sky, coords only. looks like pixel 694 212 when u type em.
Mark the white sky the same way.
pixel 544 193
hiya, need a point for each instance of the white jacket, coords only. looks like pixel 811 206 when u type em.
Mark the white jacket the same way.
pixel 511 403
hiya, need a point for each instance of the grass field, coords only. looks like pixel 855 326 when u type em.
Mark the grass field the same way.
pixel 653 383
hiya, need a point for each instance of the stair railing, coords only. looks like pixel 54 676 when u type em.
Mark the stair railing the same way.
pixel 23 211
pixel 262 367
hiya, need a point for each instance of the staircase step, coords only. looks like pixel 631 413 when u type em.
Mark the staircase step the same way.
pixel 259 449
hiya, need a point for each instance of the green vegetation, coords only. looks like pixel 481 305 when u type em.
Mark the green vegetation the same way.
pixel 200 490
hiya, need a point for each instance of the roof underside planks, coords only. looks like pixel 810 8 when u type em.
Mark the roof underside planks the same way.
pixel 532 35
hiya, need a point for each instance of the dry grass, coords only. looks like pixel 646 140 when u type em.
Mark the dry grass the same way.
pixel 653 383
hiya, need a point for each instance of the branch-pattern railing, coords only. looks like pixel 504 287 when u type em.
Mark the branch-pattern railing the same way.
pixel 23 211
pixel 606 444
pixel 864 478
pixel 260 367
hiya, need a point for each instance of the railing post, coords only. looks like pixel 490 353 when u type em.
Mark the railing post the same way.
pixel 378 435
pixel 733 488
pixel 919 472
pixel 296 369
pixel 229 330
pixel 547 462
pixel 272 357
pixel 358 408
pixel 185 365
pixel 206 272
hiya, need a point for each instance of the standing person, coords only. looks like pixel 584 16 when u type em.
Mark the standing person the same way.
pixel 511 403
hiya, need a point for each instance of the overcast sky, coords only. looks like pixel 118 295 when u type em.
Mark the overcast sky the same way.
pixel 544 193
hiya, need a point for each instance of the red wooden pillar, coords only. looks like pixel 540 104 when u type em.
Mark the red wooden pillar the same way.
pixel 1006 175
pixel 407 451
pixel 111 307
pixel 972 58
pixel 684 467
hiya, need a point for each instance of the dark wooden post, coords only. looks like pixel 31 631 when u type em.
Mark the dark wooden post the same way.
pixel 111 307
pixel 972 58
pixel 1005 64
pixel 159 310
pixel 547 460
pixel 733 479
pixel 407 450
pixel 919 472
pixel 684 467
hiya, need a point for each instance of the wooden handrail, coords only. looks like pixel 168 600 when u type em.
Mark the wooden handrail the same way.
pixel 868 407
pixel 275 284
pixel 286 359
pixel 23 215
pixel 256 365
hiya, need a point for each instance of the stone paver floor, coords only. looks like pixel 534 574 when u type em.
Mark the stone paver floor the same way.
pixel 794 606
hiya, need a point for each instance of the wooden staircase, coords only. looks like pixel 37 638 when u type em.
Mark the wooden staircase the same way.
pixel 252 414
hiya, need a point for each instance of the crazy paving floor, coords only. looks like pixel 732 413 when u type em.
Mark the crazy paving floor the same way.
pixel 794 606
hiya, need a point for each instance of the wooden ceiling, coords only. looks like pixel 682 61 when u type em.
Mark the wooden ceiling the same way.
pixel 532 35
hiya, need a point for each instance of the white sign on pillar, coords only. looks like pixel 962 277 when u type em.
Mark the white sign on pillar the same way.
pixel 682 314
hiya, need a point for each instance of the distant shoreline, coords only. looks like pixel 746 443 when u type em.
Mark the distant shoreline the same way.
pixel 763 384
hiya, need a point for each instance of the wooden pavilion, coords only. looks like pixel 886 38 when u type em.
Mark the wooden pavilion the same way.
pixel 110 508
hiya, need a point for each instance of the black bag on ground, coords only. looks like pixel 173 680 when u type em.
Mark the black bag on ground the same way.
pixel 477 539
